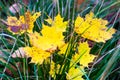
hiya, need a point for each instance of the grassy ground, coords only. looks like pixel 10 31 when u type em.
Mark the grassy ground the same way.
pixel 106 65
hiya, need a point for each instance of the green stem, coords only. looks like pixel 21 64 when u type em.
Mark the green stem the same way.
pixel 107 8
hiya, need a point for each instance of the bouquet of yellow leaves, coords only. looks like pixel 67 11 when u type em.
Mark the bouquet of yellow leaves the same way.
pixel 64 60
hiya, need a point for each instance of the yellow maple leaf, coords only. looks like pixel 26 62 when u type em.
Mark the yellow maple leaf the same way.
pixel 83 56
pixel 23 24
pixel 37 55
pixel 50 39
pixel 93 28
pixel 58 22
pixel 52 36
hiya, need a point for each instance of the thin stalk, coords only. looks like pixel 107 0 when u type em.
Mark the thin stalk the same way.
pixel 104 9
pixel 115 19
pixel 100 6
pixel 24 71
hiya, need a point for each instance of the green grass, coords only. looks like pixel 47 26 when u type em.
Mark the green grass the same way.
pixel 105 67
